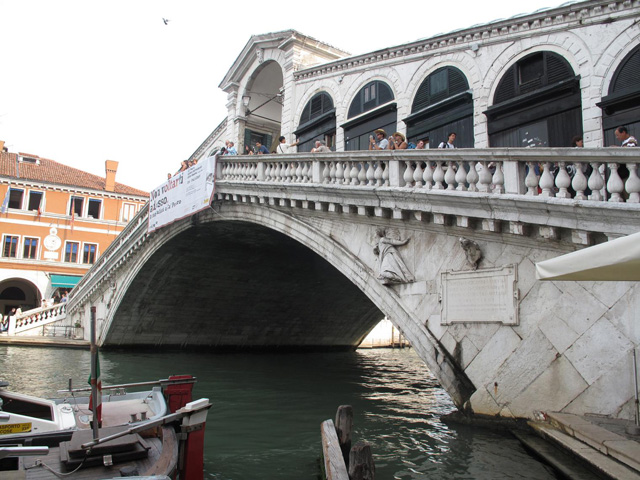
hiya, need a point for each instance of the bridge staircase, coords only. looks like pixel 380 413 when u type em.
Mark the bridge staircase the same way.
pixel 43 321
pixel 601 446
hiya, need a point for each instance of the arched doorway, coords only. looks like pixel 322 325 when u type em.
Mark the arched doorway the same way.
pixel 18 293
pixel 622 105
pixel 537 104
pixel 262 103
pixel 317 122
pixel 443 104
pixel 372 108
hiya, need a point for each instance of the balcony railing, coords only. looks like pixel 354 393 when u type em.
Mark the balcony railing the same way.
pixel 580 174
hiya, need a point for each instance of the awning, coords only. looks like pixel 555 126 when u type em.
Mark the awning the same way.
pixel 64 281
pixel 616 260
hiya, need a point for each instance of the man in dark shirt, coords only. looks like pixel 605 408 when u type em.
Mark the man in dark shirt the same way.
pixel 261 149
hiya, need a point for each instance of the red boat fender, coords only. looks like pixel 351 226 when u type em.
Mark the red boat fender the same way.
pixel 192 454
pixel 179 394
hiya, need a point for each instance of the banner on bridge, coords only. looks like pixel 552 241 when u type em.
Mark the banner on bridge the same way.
pixel 182 195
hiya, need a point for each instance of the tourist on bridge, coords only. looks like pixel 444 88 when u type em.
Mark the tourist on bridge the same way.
pixel 231 148
pixel 622 134
pixel 423 144
pixel 449 143
pixel 398 142
pixel 321 147
pixel 284 147
pixel 380 142
pixel 261 149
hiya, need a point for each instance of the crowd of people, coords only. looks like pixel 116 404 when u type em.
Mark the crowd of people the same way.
pixel 380 141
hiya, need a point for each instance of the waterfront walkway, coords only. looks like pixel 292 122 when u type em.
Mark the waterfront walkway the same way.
pixel 600 443
pixel 40 341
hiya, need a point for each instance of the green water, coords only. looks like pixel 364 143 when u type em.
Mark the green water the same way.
pixel 267 410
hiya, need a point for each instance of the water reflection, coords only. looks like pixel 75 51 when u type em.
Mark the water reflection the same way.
pixel 267 410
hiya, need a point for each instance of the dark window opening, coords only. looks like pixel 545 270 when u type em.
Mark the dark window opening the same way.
pixel 93 209
pixel 89 255
pixel 531 68
pixel 15 198
pixel 12 293
pixel 10 247
pixel 370 96
pixel 71 252
pixel 76 206
pixel 30 249
pixel 35 200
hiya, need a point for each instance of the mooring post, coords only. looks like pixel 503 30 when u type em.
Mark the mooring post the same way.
pixel 361 466
pixel 344 425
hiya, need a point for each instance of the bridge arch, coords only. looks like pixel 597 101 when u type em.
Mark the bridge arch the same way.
pixel 345 287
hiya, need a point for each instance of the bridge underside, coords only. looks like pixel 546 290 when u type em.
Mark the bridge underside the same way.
pixel 230 285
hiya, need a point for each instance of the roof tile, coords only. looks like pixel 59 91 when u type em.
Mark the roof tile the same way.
pixel 50 171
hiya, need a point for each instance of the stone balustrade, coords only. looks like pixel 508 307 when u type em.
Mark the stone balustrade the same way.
pixel 492 190
pixel 557 172
pixel 37 317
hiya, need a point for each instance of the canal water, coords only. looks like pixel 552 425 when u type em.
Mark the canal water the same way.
pixel 267 410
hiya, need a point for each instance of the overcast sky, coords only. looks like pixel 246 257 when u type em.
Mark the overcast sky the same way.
pixel 90 80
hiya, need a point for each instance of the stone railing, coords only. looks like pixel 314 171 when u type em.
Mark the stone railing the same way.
pixel 580 174
pixel 37 318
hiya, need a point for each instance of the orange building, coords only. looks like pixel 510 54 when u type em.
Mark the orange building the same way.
pixel 55 222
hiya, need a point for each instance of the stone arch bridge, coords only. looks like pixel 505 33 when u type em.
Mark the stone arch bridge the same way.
pixel 311 250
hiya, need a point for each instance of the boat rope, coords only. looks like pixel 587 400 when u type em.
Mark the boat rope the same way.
pixel 40 463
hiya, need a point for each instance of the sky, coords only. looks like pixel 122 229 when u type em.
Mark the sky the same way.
pixel 84 81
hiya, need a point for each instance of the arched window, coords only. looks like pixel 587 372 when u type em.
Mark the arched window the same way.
pixel 443 104
pixel 317 122
pixel 370 109
pixel 536 103
pixel 369 97
pixel 622 105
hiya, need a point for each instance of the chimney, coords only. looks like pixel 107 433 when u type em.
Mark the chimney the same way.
pixel 110 167
pixel 1 145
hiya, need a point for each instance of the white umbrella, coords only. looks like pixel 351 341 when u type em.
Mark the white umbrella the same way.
pixel 616 260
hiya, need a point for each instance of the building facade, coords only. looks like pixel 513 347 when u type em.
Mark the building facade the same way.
pixel 55 222
pixel 532 80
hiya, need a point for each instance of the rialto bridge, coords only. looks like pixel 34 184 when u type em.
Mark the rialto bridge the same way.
pixel 309 251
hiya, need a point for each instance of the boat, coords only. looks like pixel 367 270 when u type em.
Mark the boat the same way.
pixel 141 433
pixel 29 415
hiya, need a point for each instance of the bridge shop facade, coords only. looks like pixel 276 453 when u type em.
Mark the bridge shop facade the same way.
pixel 531 80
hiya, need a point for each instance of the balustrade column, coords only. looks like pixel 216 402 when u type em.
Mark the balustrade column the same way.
pixel 546 181
pixel 615 185
pixel 461 177
pixel 596 182
pixel 633 183
pixel 473 177
pixel 579 182
pixel 563 181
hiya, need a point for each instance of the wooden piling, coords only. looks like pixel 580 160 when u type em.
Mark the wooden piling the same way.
pixel 361 466
pixel 334 466
pixel 344 426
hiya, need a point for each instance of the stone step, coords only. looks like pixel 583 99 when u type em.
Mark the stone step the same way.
pixel 564 463
pixel 621 448
pixel 607 466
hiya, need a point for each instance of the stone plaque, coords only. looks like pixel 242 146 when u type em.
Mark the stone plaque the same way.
pixel 489 295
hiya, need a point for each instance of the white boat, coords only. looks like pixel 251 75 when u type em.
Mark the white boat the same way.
pixel 23 415
pixel 139 435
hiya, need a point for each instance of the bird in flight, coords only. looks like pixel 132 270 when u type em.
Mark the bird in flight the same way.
pixel 166 21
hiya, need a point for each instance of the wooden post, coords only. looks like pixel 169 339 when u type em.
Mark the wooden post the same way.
pixel 334 466
pixel 344 425
pixel 361 466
